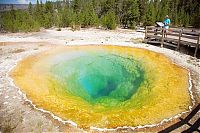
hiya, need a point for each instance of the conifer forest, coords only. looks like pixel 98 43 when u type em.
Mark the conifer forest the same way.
pixel 105 13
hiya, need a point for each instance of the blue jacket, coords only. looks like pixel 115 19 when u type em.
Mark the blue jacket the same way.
pixel 166 22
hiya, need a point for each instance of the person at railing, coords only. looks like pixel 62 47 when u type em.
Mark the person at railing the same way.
pixel 166 22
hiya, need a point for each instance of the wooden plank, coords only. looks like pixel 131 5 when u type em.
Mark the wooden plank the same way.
pixel 179 39
pixel 153 42
pixel 173 34
pixel 175 30
pixel 197 47
pixel 170 44
pixel 188 43
pixel 154 36
pixel 148 27
pixel 183 35
pixel 190 37
pixel 164 43
pixel 191 33
pixel 155 32
pixel 150 31
pixel 171 40
pixel 185 32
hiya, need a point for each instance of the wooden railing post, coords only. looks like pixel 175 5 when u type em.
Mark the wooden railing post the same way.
pixel 179 40
pixel 162 39
pixel 145 34
pixel 197 46
pixel 145 31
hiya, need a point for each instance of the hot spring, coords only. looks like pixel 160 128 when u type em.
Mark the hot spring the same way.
pixel 104 86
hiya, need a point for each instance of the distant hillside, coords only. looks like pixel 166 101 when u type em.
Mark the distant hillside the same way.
pixel 7 7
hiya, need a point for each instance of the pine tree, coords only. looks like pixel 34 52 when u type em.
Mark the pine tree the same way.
pixel 88 16
pixel 176 18
pixel 76 4
pixel 186 20
pixel 156 9
pixel 37 12
pixel 12 19
pixel 66 16
pixel 181 16
pixel 37 9
pixel 164 9
pixel 108 5
pixel 48 16
pixel 109 20
pixel 195 13
pixel 30 8
pixel 142 10
pixel 150 15
pixel 130 15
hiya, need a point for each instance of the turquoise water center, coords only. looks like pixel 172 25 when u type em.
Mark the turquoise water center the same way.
pixel 100 78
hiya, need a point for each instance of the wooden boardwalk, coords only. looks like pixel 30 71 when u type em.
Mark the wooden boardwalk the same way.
pixel 189 122
pixel 176 39
pixel 173 38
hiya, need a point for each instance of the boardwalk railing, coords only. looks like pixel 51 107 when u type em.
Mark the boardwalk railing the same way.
pixel 186 121
pixel 173 37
